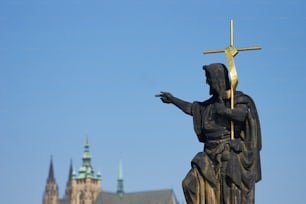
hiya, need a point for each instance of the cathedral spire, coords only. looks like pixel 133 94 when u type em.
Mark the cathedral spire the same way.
pixel 86 170
pixel 120 188
pixel 51 172
pixel 51 189
pixel 86 154
pixel 70 173
pixel 68 191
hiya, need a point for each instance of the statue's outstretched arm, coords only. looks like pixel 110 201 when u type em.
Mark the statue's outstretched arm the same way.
pixel 167 97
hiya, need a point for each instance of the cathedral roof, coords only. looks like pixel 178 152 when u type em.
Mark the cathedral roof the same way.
pixel 147 197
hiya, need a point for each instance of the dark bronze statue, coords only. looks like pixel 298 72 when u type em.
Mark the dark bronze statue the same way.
pixel 226 171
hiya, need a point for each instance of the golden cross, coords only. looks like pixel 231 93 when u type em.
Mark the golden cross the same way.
pixel 232 43
pixel 230 53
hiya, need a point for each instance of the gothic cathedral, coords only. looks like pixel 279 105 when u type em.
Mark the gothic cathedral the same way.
pixel 85 188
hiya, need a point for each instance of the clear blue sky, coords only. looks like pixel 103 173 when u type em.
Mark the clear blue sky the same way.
pixel 71 67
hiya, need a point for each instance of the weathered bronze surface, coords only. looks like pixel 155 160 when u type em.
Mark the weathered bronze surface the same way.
pixel 226 171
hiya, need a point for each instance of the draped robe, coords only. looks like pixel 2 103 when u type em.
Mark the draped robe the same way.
pixel 227 170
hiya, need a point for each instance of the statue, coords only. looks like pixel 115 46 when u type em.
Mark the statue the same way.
pixel 226 171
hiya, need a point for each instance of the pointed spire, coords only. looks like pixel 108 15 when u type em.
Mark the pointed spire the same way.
pixel 120 188
pixel 120 174
pixel 86 142
pixel 70 173
pixel 51 171
pixel 86 170
pixel 86 154
pixel 51 190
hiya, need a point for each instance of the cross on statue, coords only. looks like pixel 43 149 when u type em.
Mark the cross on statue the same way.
pixel 230 53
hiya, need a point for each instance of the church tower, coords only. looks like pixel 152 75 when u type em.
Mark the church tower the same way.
pixel 51 191
pixel 86 186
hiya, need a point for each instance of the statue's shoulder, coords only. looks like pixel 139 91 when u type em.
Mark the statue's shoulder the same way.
pixel 199 106
pixel 242 98
pixel 204 103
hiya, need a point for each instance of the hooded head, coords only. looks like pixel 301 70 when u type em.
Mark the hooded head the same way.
pixel 217 79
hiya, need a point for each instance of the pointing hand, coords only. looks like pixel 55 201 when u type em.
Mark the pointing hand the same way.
pixel 166 97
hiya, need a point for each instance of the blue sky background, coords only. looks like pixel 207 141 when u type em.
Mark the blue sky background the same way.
pixel 68 68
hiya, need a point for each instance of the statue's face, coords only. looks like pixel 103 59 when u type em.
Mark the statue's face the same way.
pixel 217 79
pixel 213 88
